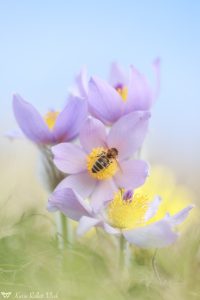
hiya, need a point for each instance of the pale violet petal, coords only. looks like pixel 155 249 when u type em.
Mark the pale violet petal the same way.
pixel 92 134
pixel 111 230
pixel 153 208
pixel 82 183
pixel 117 75
pixel 179 217
pixel 82 82
pixel 104 101
pixel 85 224
pixel 141 95
pixel 128 133
pixel 132 174
pixel 102 193
pixel 69 158
pixel 31 122
pixel 70 120
pixel 156 66
pixel 68 202
pixel 155 235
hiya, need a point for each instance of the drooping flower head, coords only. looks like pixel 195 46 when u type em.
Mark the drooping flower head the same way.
pixel 104 162
pixel 127 213
pixel 122 94
pixel 54 127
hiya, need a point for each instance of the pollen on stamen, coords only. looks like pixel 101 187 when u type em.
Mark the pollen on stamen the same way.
pixel 126 212
pixel 50 118
pixel 122 91
pixel 106 172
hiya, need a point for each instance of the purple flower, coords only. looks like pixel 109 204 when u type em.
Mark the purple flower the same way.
pixel 80 87
pixel 108 101
pixel 103 164
pixel 54 127
pixel 130 217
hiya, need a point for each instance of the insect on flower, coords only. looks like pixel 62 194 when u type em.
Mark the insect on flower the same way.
pixel 103 162
pixel 104 159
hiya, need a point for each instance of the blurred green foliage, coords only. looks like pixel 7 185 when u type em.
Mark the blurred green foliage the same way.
pixel 31 261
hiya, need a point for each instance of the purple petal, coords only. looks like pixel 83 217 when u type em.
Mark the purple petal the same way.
pixel 132 174
pixel 82 82
pixel 180 216
pixel 70 120
pixel 104 101
pixel 69 158
pixel 31 122
pixel 128 133
pixel 103 192
pixel 156 66
pixel 156 235
pixel 82 183
pixel 139 92
pixel 109 229
pixel 85 224
pixel 92 134
pixel 153 208
pixel 68 202
pixel 117 75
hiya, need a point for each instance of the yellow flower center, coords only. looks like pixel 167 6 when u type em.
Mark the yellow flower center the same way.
pixel 99 165
pixel 50 118
pixel 123 91
pixel 128 213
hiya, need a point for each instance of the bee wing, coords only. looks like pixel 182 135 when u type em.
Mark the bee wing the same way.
pixel 104 145
pixel 119 166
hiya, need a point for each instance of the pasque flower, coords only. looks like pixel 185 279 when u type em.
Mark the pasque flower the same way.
pixel 122 94
pixel 87 173
pixel 54 127
pixel 127 213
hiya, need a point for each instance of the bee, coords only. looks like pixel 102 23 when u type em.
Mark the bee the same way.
pixel 104 160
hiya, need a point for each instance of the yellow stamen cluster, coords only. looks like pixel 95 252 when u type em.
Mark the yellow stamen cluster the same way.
pixel 50 118
pixel 123 92
pixel 130 213
pixel 106 172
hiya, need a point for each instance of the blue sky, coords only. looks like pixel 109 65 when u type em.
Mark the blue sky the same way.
pixel 44 43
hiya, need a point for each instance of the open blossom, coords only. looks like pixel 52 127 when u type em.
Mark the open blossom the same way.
pixel 126 213
pixel 87 174
pixel 122 94
pixel 54 127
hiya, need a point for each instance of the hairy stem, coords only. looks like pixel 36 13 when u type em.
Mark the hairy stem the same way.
pixel 51 177
pixel 124 254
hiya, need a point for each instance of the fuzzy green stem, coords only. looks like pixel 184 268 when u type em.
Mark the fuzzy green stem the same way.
pixel 124 254
pixel 64 230
pixel 51 178
pixel 155 266
pixel 121 252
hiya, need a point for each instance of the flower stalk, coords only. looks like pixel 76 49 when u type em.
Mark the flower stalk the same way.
pixel 52 177
pixel 124 254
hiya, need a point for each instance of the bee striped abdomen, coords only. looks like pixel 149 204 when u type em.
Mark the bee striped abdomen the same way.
pixel 101 163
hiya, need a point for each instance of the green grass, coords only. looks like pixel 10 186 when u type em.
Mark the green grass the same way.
pixel 30 261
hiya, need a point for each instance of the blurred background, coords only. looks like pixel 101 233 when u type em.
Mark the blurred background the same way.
pixel 43 45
